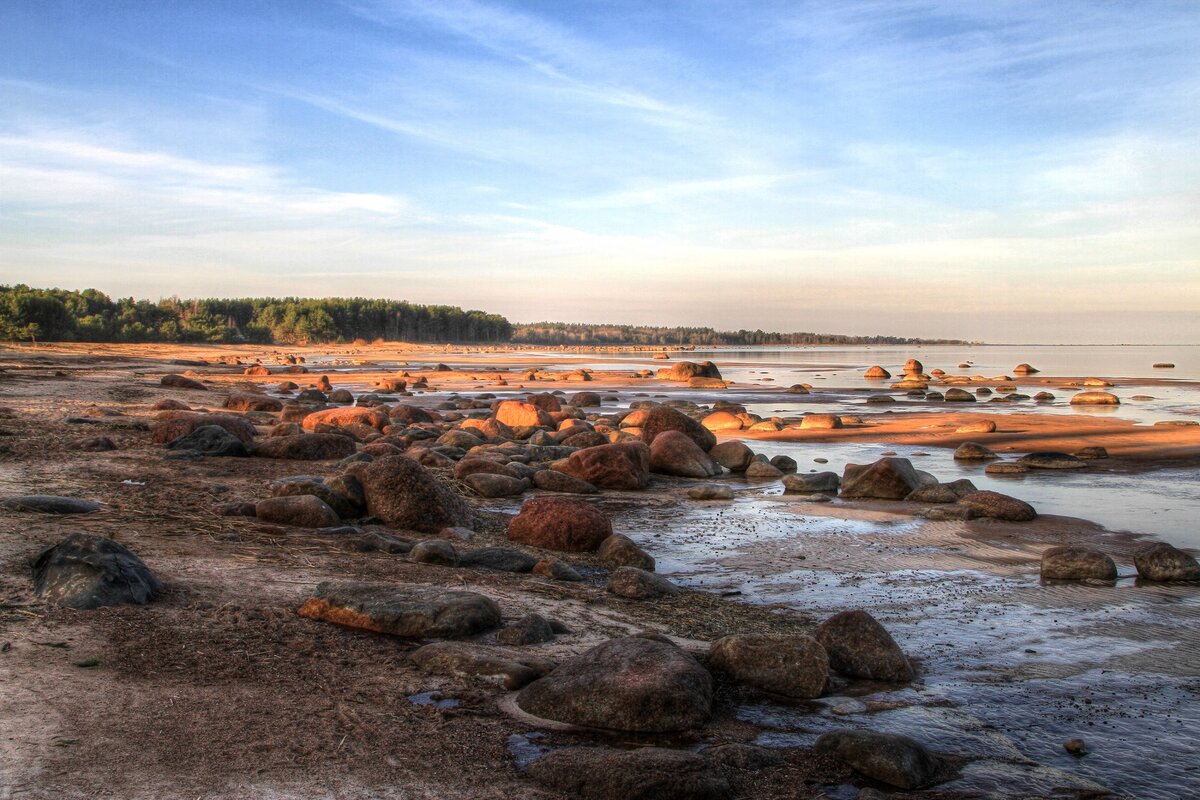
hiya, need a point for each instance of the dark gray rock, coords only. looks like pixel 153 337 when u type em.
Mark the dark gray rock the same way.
pixel 50 504
pixel 306 447
pixel 1075 563
pixel 638 584
pixel 551 480
pixel 995 505
pixel 529 629
pixel 504 559
pixel 1163 562
pixel 886 479
pixel 811 483
pixel 89 571
pixel 892 759
pixel 434 551
pixel 1049 460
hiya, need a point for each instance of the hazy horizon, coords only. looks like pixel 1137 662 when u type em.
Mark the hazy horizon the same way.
pixel 1010 173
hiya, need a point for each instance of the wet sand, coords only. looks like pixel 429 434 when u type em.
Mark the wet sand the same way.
pixel 219 689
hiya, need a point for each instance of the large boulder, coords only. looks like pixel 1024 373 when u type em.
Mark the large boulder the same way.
pixel 50 504
pixel 301 511
pixel 887 757
pixel 886 479
pixel 404 494
pixel 343 493
pixel 995 505
pixel 173 424
pixel 89 571
pixel 675 453
pixel 664 418
pixel 859 647
pixel 734 455
pixel 560 523
pixel 516 414
pixel 211 440
pixel 342 417
pixel 622 465
pixel 647 773
pixel 412 612
pixel 1076 563
pixel 639 684
pixel 1163 562
pixel 306 447
pixel 247 401
pixel 719 421
pixel 792 665
pixel 686 370
pixel 811 483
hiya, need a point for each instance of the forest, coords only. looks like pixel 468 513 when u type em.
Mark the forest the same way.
pixel 64 315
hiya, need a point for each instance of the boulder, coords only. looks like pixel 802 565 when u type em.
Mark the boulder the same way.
pixel 973 451
pixel 675 453
pixel 50 504
pixel 181 423
pixel 639 684
pixel 211 440
pixel 404 494
pixel 1096 398
pixel 710 492
pixel 556 569
pixel 584 399
pixel 620 551
pixel 638 584
pixel 941 492
pixel 1025 369
pixel 490 485
pixel 495 664
pixel 411 612
pixel 956 395
pixel 761 469
pixel 180 382
pixel 886 479
pixel 516 414
pixel 792 665
pixel 876 372
pixel 301 511
pixel 734 456
pixel 405 414
pixel 1048 460
pixel 305 447
pixel 504 559
pixel 246 401
pixel 859 647
pixel 811 483
pixel 342 417
pixel 551 480
pixel 438 552
pixel 99 444
pixel 558 523
pixel 622 465
pixel 978 426
pixel 585 438
pixel 913 367
pixel 647 773
pixel 995 505
pixel 886 757
pixel 664 418
pixel 529 629
pixel 720 421
pixel 89 571
pixel 1076 563
pixel 686 370
pixel 820 422
pixel 1163 562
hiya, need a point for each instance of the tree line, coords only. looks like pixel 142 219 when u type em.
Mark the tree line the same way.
pixel 64 315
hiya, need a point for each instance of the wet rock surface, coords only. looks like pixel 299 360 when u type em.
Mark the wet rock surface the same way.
pixel 1164 562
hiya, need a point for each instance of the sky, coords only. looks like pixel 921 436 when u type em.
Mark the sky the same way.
pixel 999 171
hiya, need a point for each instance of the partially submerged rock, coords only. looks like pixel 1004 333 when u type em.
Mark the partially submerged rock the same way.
pixel 89 571
pixel 1050 460
pixel 636 683
pixel 412 612
pixel 675 453
pixel 859 647
pixel 886 479
pixel 790 665
pixel 811 483
pixel 887 757
pixel 213 441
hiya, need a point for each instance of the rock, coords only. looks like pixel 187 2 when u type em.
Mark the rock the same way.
pixel 461 439
pixel 784 463
pixel 585 438
pixel 213 441
pixel 886 479
pixel 181 423
pixel 710 492
pixel 552 480
pixel 913 367
pixel 941 492
pixel 584 399
pixel 343 417
pixel 639 684
pixel 180 382
pixel 1089 453
pixel 620 551
pixel 811 483
pixel 1006 468
pixel 749 757
pixel 89 571
pixel 686 370
pixel 516 414
pixel 1075 563
pixel 409 612
pixel 956 395
pixel 305 447
pixel 256 371
pixel 405 414
pixel 973 451
pixel 1164 365
pixel 489 485
pixel 529 629
pixel 404 494
pixel 859 647
pixel 378 543
pixel 623 465
pixel 886 757
pixel 647 773
pixel 50 504
pixel 1095 399
pixel 245 401
pixel 877 372
pixel 1025 369
pixel 661 419
pixel 170 404
pixel 1163 562
pixel 820 422
pixel 719 421
pixel 638 584
pixel 761 469
pixel 438 552
pixel 675 453
pixel 480 661
pixel 1047 460
pixel 994 505
pixel 979 426
pixel 949 512
pixel 301 511
pixel 556 569
pixel 341 396
pixel 504 559
pixel 98 444
pixel 558 523
pixel 734 456
pixel 791 665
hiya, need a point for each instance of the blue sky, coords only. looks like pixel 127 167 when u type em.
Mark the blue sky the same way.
pixel 1006 171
